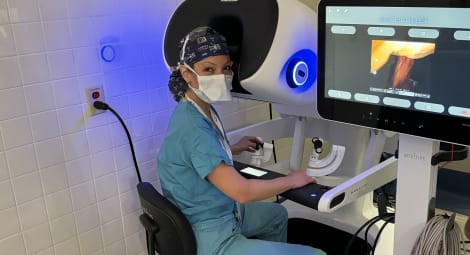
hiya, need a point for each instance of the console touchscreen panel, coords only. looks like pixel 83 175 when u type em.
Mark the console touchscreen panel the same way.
pixel 400 66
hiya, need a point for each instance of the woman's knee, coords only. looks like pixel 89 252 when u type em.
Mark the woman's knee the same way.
pixel 267 208
pixel 279 212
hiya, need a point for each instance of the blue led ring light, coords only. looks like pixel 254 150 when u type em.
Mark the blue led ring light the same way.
pixel 300 73
pixel 300 70
pixel 108 54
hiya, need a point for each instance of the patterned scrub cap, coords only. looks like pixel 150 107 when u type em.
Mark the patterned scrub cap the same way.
pixel 200 43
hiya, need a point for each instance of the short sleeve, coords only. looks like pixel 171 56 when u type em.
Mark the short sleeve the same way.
pixel 206 152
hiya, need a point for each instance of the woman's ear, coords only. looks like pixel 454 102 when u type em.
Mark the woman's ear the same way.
pixel 185 73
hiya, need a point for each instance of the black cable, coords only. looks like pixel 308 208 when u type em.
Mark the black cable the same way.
pixel 382 201
pixel 348 246
pixel 274 147
pixel 366 233
pixel 103 106
pixel 460 153
pixel 377 237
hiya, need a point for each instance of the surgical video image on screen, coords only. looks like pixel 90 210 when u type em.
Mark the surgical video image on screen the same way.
pixel 396 60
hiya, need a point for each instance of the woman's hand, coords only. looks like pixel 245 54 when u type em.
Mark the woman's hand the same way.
pixel 247 143
pixel 299 178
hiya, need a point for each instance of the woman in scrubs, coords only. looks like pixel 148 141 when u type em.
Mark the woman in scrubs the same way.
pixel 196 168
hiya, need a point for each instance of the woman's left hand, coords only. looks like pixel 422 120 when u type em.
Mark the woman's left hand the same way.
pixel 247 143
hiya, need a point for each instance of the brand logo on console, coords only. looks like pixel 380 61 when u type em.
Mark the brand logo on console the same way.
pixel 414 156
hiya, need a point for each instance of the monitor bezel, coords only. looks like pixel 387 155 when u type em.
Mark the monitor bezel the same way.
pixel 434 126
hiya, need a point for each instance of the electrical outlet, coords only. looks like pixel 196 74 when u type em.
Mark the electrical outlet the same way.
pixel 94 93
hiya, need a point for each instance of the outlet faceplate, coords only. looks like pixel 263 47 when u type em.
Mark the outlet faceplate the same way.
pixel 94 93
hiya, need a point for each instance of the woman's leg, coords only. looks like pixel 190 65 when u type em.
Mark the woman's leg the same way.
pixel 265 221
pixel 239 245
pixel 264 231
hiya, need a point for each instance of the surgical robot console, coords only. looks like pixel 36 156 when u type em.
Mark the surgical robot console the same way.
pixel 320 70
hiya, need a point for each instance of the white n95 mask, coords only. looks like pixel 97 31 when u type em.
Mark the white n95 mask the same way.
pixel 213 88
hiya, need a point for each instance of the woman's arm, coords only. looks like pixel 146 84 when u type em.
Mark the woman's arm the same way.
pixel 243 190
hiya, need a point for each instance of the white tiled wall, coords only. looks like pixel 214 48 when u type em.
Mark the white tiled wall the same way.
pixel 67 182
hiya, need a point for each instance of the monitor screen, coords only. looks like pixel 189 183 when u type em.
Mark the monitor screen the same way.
pixel 402 66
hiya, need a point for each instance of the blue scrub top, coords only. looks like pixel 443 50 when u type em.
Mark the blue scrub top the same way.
pixel 189 152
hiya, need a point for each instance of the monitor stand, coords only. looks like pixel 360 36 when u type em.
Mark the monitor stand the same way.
pixel 416 190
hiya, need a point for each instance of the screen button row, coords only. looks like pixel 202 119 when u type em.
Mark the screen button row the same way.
pixel 401 103
pixel 460 35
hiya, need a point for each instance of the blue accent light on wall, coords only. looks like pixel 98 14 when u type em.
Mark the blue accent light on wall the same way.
pixel 300 70
pixel 108 54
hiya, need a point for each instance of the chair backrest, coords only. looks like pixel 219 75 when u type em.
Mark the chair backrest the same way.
pixel 175 235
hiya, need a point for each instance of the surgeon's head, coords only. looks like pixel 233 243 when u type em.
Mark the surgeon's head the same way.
pixel 205 67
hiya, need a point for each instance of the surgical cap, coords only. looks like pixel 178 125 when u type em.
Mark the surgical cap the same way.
pixel 200 43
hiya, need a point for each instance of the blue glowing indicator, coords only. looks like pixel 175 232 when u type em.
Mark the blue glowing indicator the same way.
pixel 300 73
pixel 313 194
pixel 108 54
pixel 300 70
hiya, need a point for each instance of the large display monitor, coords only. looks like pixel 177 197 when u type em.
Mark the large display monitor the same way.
pixel 402 66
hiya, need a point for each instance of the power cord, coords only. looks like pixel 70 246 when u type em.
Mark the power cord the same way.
pixel 103 106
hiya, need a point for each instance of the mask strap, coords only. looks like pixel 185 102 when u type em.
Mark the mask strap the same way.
pixel 190 69
pixel 184 48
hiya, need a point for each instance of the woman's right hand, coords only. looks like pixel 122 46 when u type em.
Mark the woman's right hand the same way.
pixel 299 178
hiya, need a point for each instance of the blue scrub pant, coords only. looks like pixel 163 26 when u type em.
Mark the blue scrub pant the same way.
pixel 267 222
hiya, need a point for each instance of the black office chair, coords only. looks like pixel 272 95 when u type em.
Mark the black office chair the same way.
pixel 167 229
